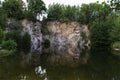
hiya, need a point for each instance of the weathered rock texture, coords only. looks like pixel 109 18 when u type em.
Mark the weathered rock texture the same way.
pixel 71 37
pixel 34 29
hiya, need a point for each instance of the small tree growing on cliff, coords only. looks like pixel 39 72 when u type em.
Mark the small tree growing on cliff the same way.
pixel 13 8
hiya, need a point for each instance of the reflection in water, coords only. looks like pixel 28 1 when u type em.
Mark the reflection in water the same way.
pixel 40 71
pixel 40 67
pixel 64 56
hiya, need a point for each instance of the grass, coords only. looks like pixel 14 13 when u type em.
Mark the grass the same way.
pixel 6 53
pixel 116 45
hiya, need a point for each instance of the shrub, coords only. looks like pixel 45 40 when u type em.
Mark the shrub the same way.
pixel 4 53
pixel 14 25
pixel 116 45
pixel 14 35
pixel 26 42
pixel 2 35
pixel 9 45
pixel 46 43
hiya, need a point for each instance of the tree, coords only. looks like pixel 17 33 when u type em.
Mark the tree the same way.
pixel 55 12
pixel 115 33
pixel 13 8
pixel 115 4
pixel 63 12
pixel 71 13
pixel 93 12
pixel 100 34
pixel 3 17
pixel 36 7
pixel 26 42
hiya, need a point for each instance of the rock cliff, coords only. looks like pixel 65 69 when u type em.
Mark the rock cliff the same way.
pixel 34 29
pixel 71 36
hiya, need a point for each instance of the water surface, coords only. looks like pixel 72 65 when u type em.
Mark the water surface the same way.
pixel 96 66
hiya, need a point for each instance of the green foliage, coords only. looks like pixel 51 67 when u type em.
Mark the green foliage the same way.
pixel 14 25
pixel 2 35
pixel 115 4
pixel 3 17
pixel 9 45
pixel 14 35
pixel 26 42
pixel 85 14
pixel 116 45
pixel 29 15
pixel 23 42
pixel 93 12
pixel 36 7
pixel 83 34
pixel 63 12
pixel 71 13
pixel 115 33
pixel 100 34
pixel 55 12
pixel 46 43
pixel 13 8
pixel 4 53
pixel 45 31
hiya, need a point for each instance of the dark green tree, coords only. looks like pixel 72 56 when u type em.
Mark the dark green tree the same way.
pixel 16 36
pixel 100 34
pixel 2 35
pixel 26 42
pixel 36 7
pixel 93 12
pixel 13 8
pixel 55 12
pixel 3 17
pixel 115 4
pixel 115 33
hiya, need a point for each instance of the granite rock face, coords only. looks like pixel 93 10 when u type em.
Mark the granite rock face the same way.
pixel 69 43
pixel 71 37
pixel 34 29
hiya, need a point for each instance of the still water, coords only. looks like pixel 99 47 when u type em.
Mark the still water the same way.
pixel 97 66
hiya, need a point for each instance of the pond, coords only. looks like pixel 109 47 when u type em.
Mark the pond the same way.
pixel 98 65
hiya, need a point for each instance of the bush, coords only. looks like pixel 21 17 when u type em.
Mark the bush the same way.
pixel 14 35
pixel 4 53
pixel 14 25
pixel 26 42
pixel 9 45
pixel 116 45
pixel 115 33
pixel 46 43
pixel 2 35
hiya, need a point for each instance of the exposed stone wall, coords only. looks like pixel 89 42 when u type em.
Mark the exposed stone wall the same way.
pixel 34 29
pixel 71 35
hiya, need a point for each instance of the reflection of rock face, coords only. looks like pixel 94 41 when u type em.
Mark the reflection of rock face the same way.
pixel 35 32
pixel 65 58
pixel 71 36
